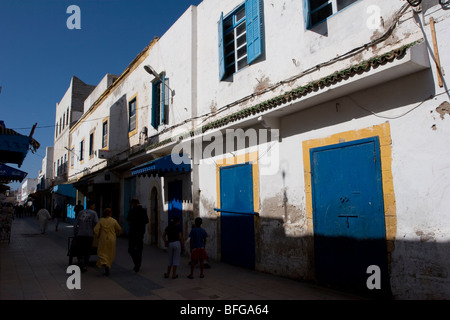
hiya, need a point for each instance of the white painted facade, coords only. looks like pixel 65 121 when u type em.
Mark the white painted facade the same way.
pixel 28 187
pixel 46 172
pixel 68 111
pixel 402 95
pixel 397 93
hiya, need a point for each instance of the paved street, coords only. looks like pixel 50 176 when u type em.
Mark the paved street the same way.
pixel 33 267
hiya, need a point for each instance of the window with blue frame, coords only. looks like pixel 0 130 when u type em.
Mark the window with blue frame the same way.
pixel 160 101
pixel 105 134
pixel 240 38
pixel 132 115
pixel 316 11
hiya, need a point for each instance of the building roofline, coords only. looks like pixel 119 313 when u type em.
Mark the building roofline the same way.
pixel 131 67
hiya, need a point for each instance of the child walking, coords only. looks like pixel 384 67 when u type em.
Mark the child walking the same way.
pixel 175 246
pixel 198 237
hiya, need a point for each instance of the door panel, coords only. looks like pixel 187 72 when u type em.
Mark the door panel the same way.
pixel 348 213
pixel 237 224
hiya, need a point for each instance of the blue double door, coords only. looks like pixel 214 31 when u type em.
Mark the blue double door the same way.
pixel 237 230
pixel 348 215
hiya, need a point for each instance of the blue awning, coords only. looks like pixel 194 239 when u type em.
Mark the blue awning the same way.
pixel 9 174
pixel 66 190
pixel 161 166
pixel 14 146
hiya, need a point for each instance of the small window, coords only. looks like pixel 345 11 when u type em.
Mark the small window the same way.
pixel 239 38
pixel 132 115
pixel 72 157
pixel 67 117
pixel 160 102
pixel 91 145
pixel 82 150
pixel 65 163
pixel 105 134
pixel 317 11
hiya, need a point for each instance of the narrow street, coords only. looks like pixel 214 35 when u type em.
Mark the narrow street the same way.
pixel 33 267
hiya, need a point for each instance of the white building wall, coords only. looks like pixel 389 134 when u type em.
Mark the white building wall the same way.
pixel 28 187
pixel 419 259
pixel 289 49
pixel 61 141
pixel 68 111
pixel 419 254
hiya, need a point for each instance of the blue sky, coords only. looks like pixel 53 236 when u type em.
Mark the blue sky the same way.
pixel 39 55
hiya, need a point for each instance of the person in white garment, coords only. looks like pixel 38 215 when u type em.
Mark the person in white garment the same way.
pixel 43 216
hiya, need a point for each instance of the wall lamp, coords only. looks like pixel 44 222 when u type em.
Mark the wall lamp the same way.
pixel 71 150
pixel 152 71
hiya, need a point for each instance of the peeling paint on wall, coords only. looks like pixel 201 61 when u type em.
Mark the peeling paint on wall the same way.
pixel 263 83
pixel 281 245
pixel 444 108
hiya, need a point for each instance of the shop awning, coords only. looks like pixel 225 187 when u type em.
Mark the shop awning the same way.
pixel 9 174
pixel 164 165
pixel 14 146
pixel 66 190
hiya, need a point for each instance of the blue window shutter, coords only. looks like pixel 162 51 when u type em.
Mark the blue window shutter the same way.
pixel 306 14
pixel 154 121
pixel 253 25
pixel 221 49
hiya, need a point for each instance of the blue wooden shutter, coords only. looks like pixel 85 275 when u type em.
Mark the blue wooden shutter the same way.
pixel 306 14
pixel 253 25
pixel 154 121
pixel 221 49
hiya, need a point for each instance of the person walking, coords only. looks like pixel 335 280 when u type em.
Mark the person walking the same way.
pixel 43 216
pixel 173 240
pixel 78 208
pixel 106 230
pixel 83 231
pixel 198 237
pixel 137 219
pixel 57 215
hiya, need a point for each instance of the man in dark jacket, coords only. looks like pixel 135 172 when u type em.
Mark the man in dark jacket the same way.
pixel 137 219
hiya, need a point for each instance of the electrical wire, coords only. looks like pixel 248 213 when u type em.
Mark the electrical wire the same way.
pixel 208 115
pixel 401 115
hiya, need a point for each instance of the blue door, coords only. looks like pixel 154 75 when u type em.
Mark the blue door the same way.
pixel 348 214
pixel 237 231
pixel 175 193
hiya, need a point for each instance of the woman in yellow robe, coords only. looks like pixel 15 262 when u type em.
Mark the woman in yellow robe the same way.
pixel 107 230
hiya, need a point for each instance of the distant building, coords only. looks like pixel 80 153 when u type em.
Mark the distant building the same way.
pixel 68 111
pixel 28 187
